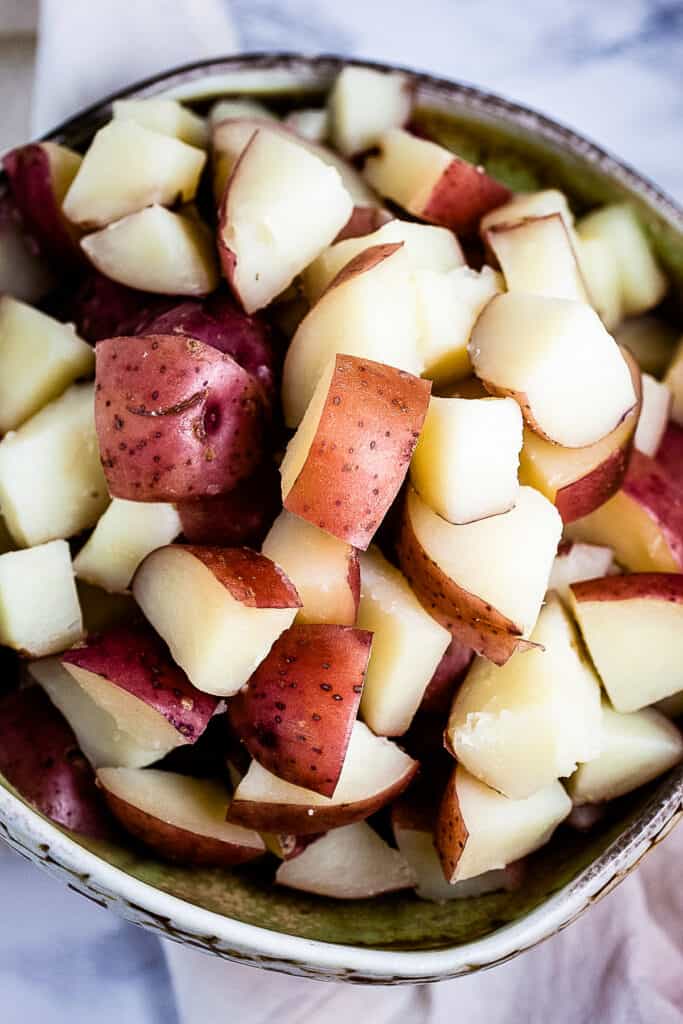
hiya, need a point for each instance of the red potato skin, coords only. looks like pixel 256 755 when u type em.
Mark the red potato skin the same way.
pixel 176 844
pixel 30 178
pixel 136 660
pixel 450 834
pixel 363 221
pixel 461 197
pixel 656 586
pixel 268 817
pixel 40 757
pixel 449 673
pixel 297 711
pixel 347 486
pixel 670 452
pixel 470 620
pixel 175 418
pixel 100 308
pixel 243 516
pixel 649 484
pixel 250 577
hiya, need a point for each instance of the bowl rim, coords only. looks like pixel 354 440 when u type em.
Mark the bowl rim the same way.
pixel 28 832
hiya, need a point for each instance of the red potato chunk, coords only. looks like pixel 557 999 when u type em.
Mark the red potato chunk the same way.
pixel 296 714
pixel 243 516
pixel 175 418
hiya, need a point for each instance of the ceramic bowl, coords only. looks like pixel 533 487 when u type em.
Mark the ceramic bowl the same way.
pixel 236 914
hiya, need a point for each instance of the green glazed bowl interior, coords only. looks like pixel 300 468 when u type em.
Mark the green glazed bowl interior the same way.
pixel 237 913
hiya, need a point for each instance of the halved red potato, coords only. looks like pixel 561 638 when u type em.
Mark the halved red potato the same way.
pixel 348 459
pixel 481 830
pixel 272 227
pixel 448 305
pixel 128 167
pixel 536 256
pixel 575 562
pixel 267 803
pixel 311 123
pixel 484 581
pixel 51 480
pixel 466 459
pixel 670 452
pixel 642 522
pixel 654 416
pixel 407 646
pixel 97 732
pixel 348 863
pixel 39 609
pixel 519 207
pixel 39 756
pixel 23 273
pixel 642 284
pixel 652 342
pixel 156 250
pixel 39 358
pixel 449 673
pixel 674 381
pixel 579 480
pixel 242 516
pixel 364 103
pixel 168 117
pixel 129 673
pixel 555 358
pixel 368 311
pixel 432 183
pixel 600 271
pixel 40 175
pixel 180 818
pixel 523 725
pixel 176 419
pixel 126 533
pixel 633 628
pixel 425 247
pixel 219 610
pixel 324 569
pixel 297 711
pixel 635 749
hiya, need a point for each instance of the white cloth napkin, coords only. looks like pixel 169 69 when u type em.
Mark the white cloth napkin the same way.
pixel 623 962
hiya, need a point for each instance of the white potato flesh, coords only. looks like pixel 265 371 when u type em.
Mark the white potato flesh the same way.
pixel 425 247
pixel 128 167
pixel 300 445
pixel 635 748
pixel 502 830
pixel 579 562
pixel 318 565
pixel 636 645
pixel 156 250
pixel 556 355
pixel 520 726
pixel 674 382
pixel 601 274
pixel 448 305
pixel 531 204
pixel 168 117
pixel 504 560
pixel 642 284
pixel 654 415
pixel 536 256
pixel 99 737
pixel 364 103
pixel 371 315
pixel 466 460
pixel 216 640
pixel 39 609
pixel 275 225
pixel 311 123
pixel 356 782
pixel 197 806
pixel 39 358
pixel 127 532
pixel 651 341
pixel 348 863
pixel 406 169
pixel 224 110
pixel 407 646
pixel 51 479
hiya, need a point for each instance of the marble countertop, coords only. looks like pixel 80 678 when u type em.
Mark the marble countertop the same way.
pixel 612 71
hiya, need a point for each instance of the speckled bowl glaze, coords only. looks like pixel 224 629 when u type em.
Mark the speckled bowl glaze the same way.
pixel 237 914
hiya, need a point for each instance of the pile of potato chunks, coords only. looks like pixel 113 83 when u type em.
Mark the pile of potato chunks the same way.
pixel 342 524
